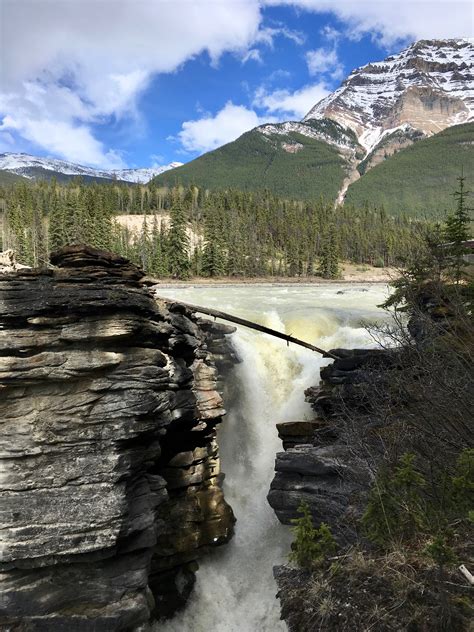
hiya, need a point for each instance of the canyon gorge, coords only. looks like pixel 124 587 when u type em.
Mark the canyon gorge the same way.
pixel 112 494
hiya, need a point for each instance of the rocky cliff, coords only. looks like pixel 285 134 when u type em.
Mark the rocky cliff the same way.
pixel 110 482
pixel 319 465
pixel 378 412
pixel 427 86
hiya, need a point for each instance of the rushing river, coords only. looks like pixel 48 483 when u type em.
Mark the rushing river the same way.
pixel 235 590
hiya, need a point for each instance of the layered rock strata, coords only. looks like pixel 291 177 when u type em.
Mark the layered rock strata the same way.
pixel 110 481
pixel 318 465
pixel 428 85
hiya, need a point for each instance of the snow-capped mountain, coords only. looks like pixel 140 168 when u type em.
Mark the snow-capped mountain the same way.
pixel 142 175
pixel 428 86
pixel 423 96
pixel 33 166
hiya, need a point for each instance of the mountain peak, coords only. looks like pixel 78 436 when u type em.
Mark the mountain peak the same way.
pixel 33 166
pixel 429 85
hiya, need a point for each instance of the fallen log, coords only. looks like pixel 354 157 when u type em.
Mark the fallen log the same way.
pixel 251 325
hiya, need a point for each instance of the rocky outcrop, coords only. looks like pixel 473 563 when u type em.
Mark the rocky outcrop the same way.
pixel 318 465
pixel 110 481
pixel 428 85
pixel 389 145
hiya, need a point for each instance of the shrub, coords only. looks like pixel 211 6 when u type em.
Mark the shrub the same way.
pixel 396 508
pixel 311 545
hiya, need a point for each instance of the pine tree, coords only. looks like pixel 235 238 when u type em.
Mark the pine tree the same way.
pixel 213 255
pixel 178 240
pixel 457 232
pixel 144 245
pixel 311 545
pixel 329 258
pixel 159 259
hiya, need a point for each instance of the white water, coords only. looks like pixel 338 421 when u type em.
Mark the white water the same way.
pixel 235 590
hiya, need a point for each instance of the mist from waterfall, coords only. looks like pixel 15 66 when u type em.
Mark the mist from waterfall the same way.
pixel 235 590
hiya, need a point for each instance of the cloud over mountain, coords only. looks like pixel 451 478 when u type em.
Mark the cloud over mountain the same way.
pixel 72 69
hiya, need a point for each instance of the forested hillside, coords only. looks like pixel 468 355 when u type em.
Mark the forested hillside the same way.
pixel 419 179
pixel 416 181
pixel 291 165
pixel 7 178
pixel 236 233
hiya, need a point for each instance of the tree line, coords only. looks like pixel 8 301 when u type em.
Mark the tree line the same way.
pixel 190 231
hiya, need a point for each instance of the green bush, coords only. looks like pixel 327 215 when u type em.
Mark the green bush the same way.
pixel 440 552
pixel 396 507
pixel 311 546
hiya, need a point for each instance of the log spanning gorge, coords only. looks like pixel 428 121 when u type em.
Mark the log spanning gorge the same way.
pixel 115 514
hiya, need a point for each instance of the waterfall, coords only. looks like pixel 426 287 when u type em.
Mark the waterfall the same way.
pixel 235 591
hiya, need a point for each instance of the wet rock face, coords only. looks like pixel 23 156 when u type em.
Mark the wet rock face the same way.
pixel 110 484
pixel 319 465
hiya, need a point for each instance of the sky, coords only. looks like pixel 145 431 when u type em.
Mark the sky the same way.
pixel 139 83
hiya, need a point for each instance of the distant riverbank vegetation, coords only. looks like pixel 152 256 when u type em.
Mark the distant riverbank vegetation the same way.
pixel 183 232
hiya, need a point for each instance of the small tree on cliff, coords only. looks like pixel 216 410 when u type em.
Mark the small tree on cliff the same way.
pixel 311 546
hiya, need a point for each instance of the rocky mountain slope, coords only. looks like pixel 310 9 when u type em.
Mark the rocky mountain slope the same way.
pixel 110 487
pixel 420 179
pixel 428 86
pixel 34 167
pixel 379 111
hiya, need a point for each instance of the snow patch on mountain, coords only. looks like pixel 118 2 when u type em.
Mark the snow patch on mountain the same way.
pixel 339 136
pixel 373 136
pixel 28 166
pixel 429 85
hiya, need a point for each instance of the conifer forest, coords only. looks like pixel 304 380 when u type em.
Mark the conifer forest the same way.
pixel 183 232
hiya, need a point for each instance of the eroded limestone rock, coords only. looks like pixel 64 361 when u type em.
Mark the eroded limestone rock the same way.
pixel 110 484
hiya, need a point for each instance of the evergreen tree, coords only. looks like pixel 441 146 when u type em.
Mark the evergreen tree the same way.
pixel 159 259
pixel 213 255
pixel 457 232
pixel 178 240
pixel 329 258
pixel 311 545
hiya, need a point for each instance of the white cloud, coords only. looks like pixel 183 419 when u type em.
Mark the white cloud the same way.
pixel 70 64
pixel 252 55
pixel 267 35
pixel 289 104
pixel 324 60
pixel 392 20
pixel 74 143
pixel 228 124
pixel 212 131
pixel 330 33
pixel 67 64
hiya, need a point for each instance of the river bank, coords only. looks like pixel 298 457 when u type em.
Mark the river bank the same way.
pixel 351 273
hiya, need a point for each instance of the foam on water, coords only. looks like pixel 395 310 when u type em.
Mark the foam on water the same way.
pixel 235 590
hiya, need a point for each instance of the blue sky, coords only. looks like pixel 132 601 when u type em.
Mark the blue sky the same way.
pixel 131 83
